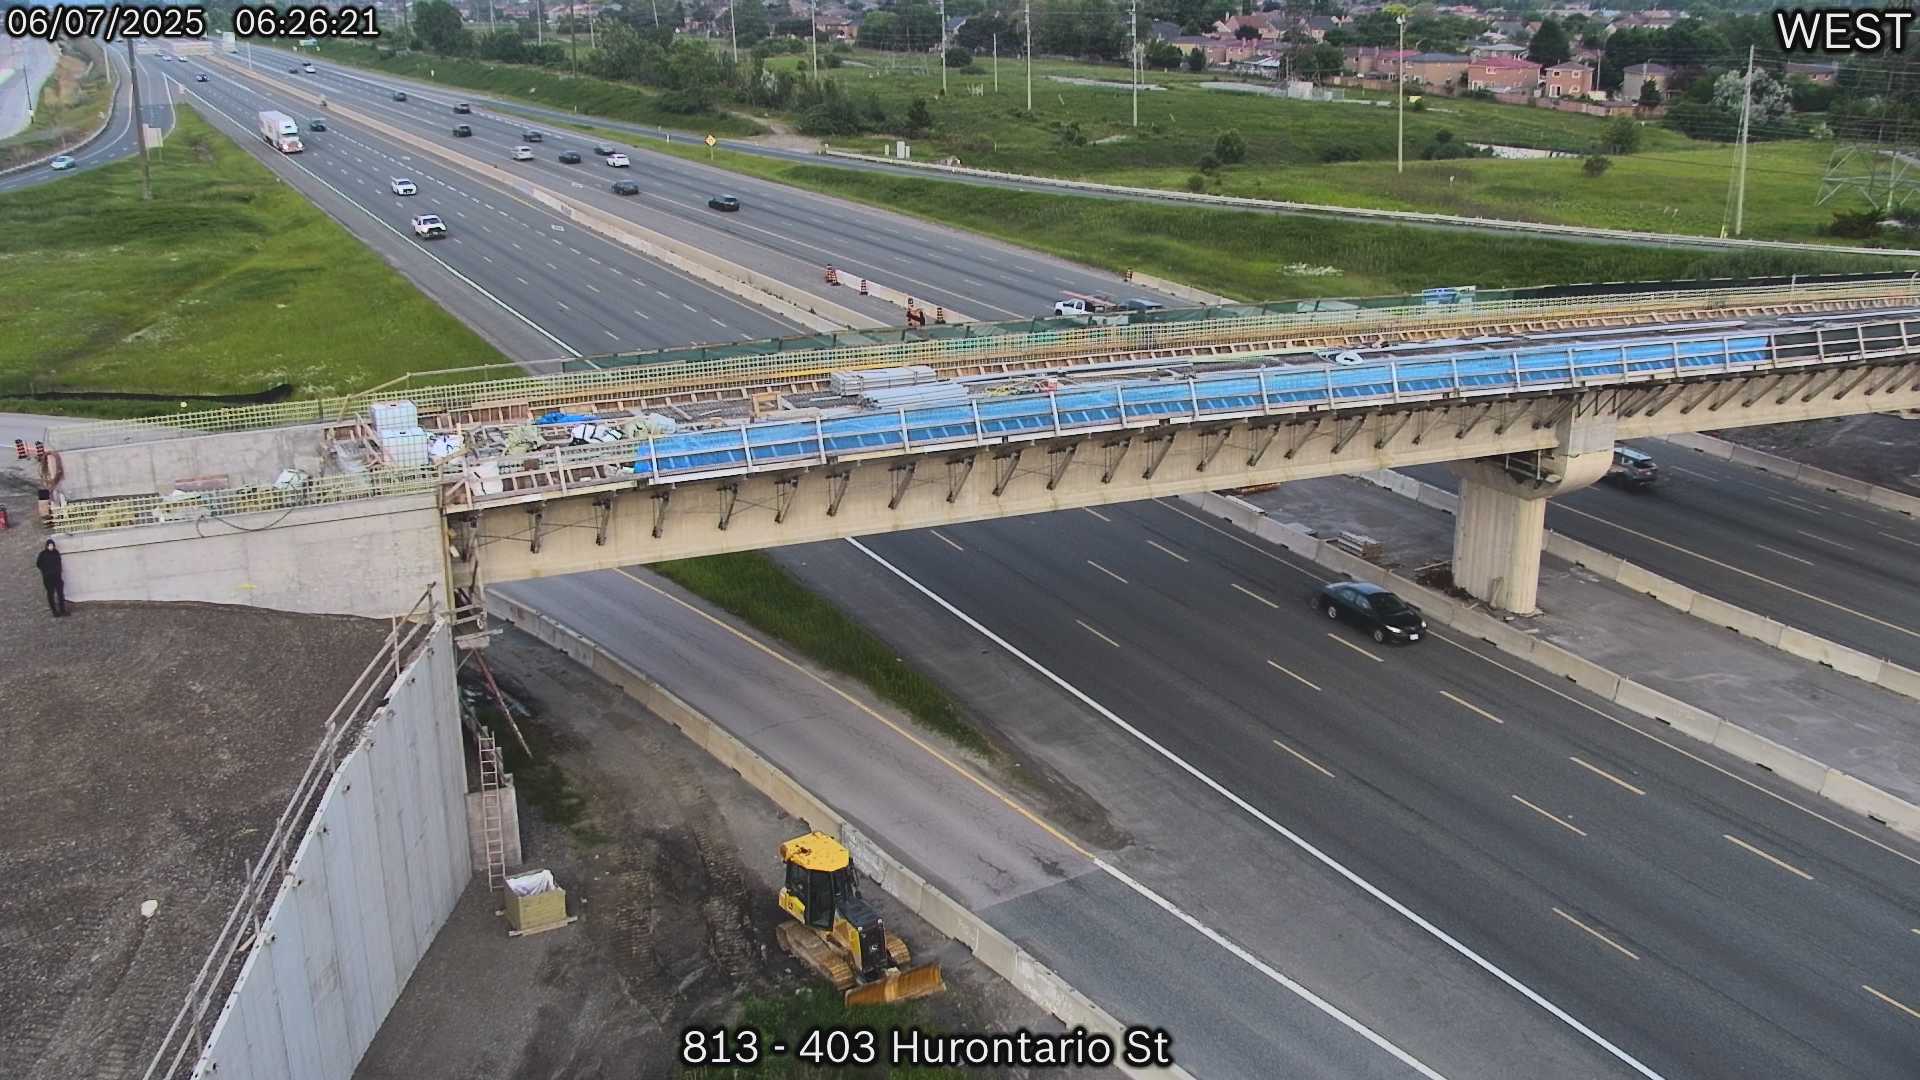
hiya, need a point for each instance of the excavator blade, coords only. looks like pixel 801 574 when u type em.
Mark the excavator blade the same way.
pixel 901 986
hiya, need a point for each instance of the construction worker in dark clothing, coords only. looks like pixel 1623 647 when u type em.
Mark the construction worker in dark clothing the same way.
pixel 48 562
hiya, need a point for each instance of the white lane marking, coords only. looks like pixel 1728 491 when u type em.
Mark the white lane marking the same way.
pixel 1292 837
pixel 1097 514
pixel 1901 539
pixel 1255 595
pixel 612 335
pixel 949 543
pixel 1783 554
pixel 1598 771
pixel 642 314
pixel 1781 863
pixel 1557 820
pixel 1107 572
pixel 1309 761
pixel 522 280
pixel 589 286
pixel 1297 676
pixel 1465 704
pixel 1097 634
pixel 1167 550
pixel 563 305
pixel 1610 942
pixel 1343 641
pixel 1824 540
pixel 712 320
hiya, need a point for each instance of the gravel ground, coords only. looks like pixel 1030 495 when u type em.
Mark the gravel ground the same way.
pixel 1877 448
pixel 150 748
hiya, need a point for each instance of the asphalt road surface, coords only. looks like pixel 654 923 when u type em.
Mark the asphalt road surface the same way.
pixel 1829 565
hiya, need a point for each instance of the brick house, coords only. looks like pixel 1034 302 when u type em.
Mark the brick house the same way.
pixel 1503 74
pixel 1436 69
pixel 1568 80
pixel 1638 75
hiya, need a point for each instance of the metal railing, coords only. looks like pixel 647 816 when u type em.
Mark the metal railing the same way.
pixel 718 367
pixel 152 509
pixel 188 1033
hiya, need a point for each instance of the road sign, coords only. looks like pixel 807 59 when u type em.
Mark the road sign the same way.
pixel 711 141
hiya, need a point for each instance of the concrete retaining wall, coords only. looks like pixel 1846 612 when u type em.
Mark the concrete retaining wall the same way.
pixel 998 952
pixel 1849 661
pixel 1176 289
pixel 142 468
pixel 374 877
pixel 373 557
pixel 762 290
pixel 1886 498
pixel 1687 719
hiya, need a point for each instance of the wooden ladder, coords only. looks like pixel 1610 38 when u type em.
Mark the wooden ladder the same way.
pixel 492 822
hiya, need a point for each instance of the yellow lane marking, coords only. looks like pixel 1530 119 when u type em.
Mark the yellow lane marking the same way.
pixel 943 536
pixel 1824 540
pixel 957 768
pixel 1255 595
pixel 1685 753
pixel 1098 634
pixel 1169 551
pixel 1107 572
pixel 1610 942
pixel 1567 825
pixel 1901 539
pixel 1470 705
pixel 1784 555
pixel 1310 762
pixel 1787 866
pixel 1598 771
pixel 1745 573
pixel 1890 1001
pixel 1356 648
pixel 1097 514
pixel 1301 678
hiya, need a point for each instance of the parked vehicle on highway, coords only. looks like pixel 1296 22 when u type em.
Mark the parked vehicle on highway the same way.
pixel 64 161
pixel 461 131
pixel 400 185
pixel 429 226
pixel 1385 617
pixel 531 135
pixel 603 150
pixel 625 187
pixel 399 95
pixel 523 153
pixel 463 108
pixel 1077 304
pixel 316 124
pixel 1141 303
pixel 1632 469
pixel 569 157
pixel 281 132
pixel 727 203
pixel 618 161
pixel 199 76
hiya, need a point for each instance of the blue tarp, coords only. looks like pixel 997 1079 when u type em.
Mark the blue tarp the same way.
pixel 1226 393
pixel 565 418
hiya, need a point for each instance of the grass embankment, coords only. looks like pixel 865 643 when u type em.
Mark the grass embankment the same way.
pixel 751 586
pixel 228 281
pixel 72 102
pixel 582 94
pixel 789 1018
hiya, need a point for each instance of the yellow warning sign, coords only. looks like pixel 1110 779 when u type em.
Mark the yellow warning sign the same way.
pixel 711 141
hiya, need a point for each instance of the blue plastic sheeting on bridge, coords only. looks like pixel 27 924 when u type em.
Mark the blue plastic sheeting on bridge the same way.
pixel 1236 394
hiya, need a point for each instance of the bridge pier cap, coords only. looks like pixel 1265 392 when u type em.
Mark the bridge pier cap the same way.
pixel 1499 528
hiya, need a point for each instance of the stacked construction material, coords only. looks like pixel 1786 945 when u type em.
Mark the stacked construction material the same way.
pixel 403 442
pixel 857 383
pixel 896 397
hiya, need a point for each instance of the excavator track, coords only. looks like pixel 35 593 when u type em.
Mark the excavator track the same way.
pixel 898 952
pixel 807 946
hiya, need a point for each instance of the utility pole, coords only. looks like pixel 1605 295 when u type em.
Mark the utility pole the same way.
pixel 733 29
pixel 139 125
pixel 1400 96
pixel 813 35
pixel 539 23
pixel 1133 40
pixel 943 48
pixel 1029 55
pixel 996 62
pixel 1746 114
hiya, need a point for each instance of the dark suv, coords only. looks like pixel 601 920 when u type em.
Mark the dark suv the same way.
pixel 462 131
pixel 1384 616
pixel 1632 469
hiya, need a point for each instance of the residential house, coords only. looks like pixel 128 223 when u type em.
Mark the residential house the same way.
pixel 1638 75
pixel 1823 74
pixel 1481 52
pixel 1569 80
pixel 1265 67
pixel 1503 74
pixel 1436 69
pixel 1372 60
pixel 836 25
pixel 1218 51
pixel 1316 26
pixel 1268 24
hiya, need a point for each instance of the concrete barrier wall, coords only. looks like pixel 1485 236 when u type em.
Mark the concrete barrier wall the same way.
pixel 763 290
pixel 373 557
pixel 1849 661
pixel 142 468
pixel 1885 498
pixel 1040 984
pixel 1177 289
pixel 1687 719
pixel 375 875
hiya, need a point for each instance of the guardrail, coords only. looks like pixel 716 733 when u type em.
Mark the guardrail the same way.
pixel 187 1034
pixel 970 344
pixel 152 509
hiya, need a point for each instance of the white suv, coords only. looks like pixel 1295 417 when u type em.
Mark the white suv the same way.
pixel 618 161
pixel 523 153
pixel 402 186
pixel 428 226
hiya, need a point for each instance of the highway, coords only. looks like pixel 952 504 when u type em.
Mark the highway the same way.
pixel 1707 929
pixel 1829 565
pixel 118 140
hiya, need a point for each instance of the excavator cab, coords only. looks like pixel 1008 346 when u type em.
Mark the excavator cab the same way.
pixel 837 933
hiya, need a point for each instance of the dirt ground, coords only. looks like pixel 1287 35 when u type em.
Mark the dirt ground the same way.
pixel 149 750
pixel 1879 449
pixel 670 860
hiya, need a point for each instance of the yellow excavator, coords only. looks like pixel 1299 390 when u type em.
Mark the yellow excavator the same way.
pixel 838 934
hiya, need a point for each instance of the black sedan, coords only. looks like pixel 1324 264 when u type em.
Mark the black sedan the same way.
pixel 724 202
pixel 399 95
pixel 316 124
pixel 569 157
pixel 530 136
pixel 603 150
pixel 199 76
pixel 1385 616
pixel 625 187
pixel 463 108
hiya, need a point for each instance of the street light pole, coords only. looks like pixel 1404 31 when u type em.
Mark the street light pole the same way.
pixel 1029 55
pixel 733 29
pixel 943 48
pixel 1400 96
pixel 813 35
pixel 139 126
pixel 996 62
pixel 1133 38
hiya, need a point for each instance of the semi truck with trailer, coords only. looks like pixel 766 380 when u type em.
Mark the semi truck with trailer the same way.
pixel 281 131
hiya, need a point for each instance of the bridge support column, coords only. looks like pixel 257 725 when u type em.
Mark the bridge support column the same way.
pixel 1499 528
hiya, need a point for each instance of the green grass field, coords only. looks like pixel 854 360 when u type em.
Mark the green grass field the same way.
pixel 227 282
pixel 582 94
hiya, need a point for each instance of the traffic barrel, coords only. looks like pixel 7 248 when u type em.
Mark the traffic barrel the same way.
pixel 939 314
pixel 833 276
pixel 20 449
pixel 863 286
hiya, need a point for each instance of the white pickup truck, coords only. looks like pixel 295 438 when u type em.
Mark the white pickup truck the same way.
pixel 429 226
pixel 1075 304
